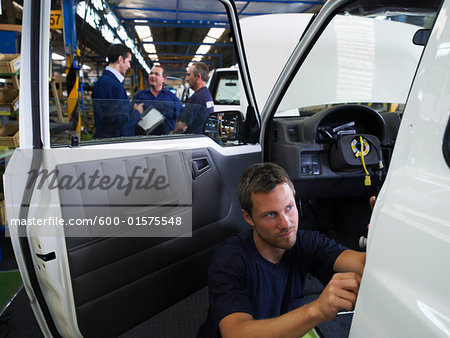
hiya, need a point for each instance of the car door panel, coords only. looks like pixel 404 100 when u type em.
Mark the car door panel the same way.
pixel 124 281
pixel 87 285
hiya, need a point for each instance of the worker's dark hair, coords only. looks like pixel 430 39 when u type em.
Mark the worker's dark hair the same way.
pixel 260 178
pixel 202 69
pixel 116 50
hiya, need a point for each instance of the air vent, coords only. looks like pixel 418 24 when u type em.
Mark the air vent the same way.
pixel 293 134
pixel 275 134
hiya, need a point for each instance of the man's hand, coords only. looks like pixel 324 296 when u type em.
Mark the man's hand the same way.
pixel 180 127
pixel 339 294
pixel 372 201
pixel 139 107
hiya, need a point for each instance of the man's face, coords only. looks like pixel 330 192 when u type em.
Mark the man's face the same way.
pixel 191 78
pixel 274 218
pixel 156 78
pixel 124 64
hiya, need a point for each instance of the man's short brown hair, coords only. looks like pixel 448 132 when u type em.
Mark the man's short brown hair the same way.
pixel 260 178
pixel 202 69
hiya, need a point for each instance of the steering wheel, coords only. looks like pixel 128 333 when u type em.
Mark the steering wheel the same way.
pixel 331 153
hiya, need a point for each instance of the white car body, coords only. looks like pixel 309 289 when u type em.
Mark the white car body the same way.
pixel 224 85
pixel 405 287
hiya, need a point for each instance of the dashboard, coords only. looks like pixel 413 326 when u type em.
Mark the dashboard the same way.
pixel 331 153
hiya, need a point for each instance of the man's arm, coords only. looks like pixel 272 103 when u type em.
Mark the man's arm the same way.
pixel 350 261
pixel 339 294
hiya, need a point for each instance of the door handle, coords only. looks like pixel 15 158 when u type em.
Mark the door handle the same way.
pixel 199 166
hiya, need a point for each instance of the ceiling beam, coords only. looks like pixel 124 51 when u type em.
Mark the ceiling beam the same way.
pixel 182 55
pixel 168 10
pixel 179 43
pixel 283 2
pixel 178 23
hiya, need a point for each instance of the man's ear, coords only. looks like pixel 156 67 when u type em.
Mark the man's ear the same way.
pixel 247 217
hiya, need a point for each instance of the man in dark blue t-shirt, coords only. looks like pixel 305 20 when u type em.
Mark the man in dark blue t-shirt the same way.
pixel 160 98
pixel 198 107
pixel 256 279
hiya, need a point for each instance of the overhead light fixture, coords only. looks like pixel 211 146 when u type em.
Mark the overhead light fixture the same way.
pixel 108 34
pixel 215 33
pixel 129 43
pixel 122 33
pixel 112 20
pixel 208 39
pixel 211 37
pixel 17 6
pixel 88 12
pixel 150 48
pixel 98 5
pixel 144 32
pixel 203 49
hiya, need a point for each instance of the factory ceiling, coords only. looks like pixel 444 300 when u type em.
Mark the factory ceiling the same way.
pixel 171 33
pixel 175 32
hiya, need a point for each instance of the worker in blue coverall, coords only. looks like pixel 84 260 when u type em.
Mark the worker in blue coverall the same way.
pixel 114 115
pixel 160 98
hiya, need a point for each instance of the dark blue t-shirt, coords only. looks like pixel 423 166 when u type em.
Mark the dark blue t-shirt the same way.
pixel 196 111
pixel 241 280
pixel 166 102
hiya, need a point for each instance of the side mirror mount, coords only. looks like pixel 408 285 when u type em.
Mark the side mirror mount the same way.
pixel 223 127
pixel 421 37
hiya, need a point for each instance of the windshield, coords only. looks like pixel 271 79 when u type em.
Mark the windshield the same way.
pixel 225 87
pixel 358 59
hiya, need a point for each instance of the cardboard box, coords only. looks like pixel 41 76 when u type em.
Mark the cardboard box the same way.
pixel 9 63
pixel 9 135
pixel 9 100
pixel 10 82
pixel 2 212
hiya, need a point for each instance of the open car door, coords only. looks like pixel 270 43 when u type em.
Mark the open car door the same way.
pixel 108 233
